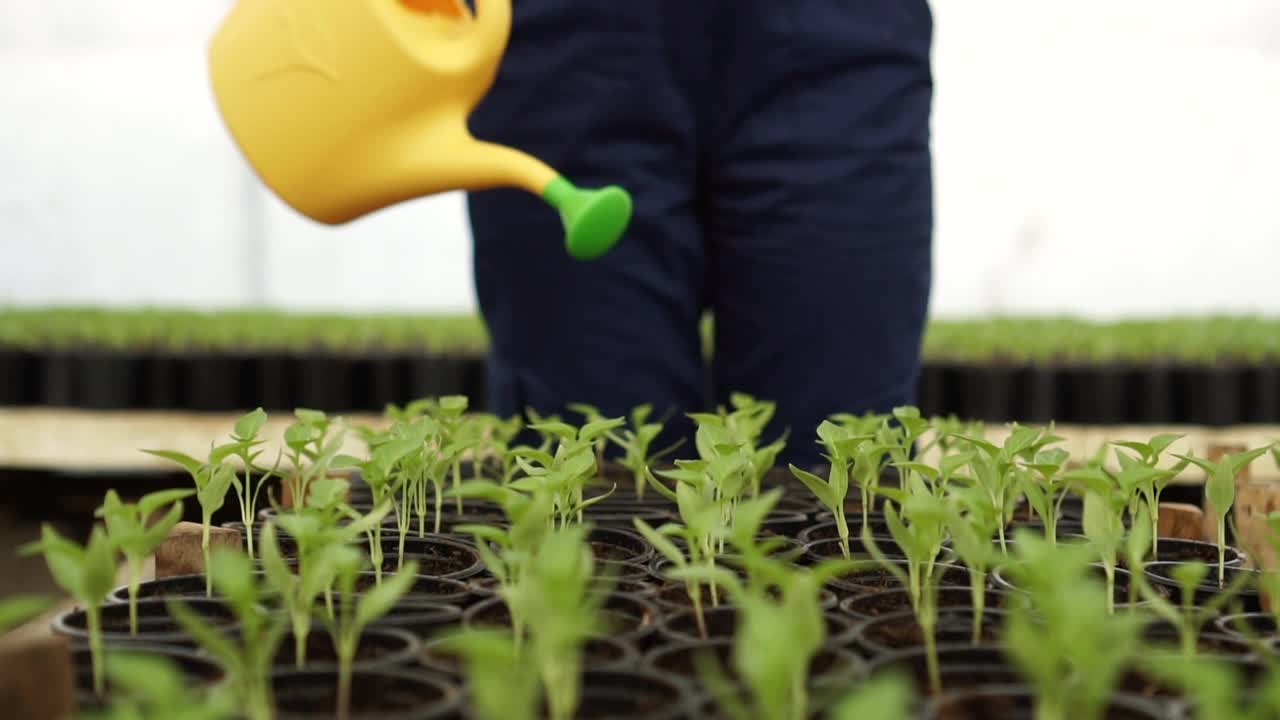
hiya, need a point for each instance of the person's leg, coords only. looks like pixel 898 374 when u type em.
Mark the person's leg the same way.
pixel 820 243
pixel 586 87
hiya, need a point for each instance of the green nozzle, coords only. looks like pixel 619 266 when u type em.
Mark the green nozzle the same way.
pixel 594 220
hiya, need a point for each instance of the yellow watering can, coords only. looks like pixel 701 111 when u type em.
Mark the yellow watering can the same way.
pixel 345 107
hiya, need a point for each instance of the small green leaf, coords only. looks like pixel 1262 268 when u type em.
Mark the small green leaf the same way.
pixel 817 486
pixel 250 424
pixel 152 502
pixel 186 461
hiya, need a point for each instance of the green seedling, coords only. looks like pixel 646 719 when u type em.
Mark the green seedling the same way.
pixel 1216 689
pixel 297 593
pixel 998 468
pixel 566 474
pixel 1066 644
pixel 1044 487
pixel 247 654
pixel 212 481
pixel 357 612
pixel 702 514
pixel 503 685
pixel 1153 485
pixel 737 433
pixel 87 572
pixel 867 460
pixel 841 445
pixel 449 412
pixel 779 630
pixel 699 533
pixel 388 474
pixel 132 530
pixel 1104 507
pixel 885 696
pixel 312 445
pixel 919 532
pixel 1187 617
pixel 635 442
pixel 508 553
pixel 152 687
pixel 325 522
pixel 561 599
pixel 1221 491
pixel 20 609
pixel 972 524
pixel 245 447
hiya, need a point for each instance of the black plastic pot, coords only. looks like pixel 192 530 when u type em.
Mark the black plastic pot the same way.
pixel 375 695
pixel 722 622
pixel 155 625
pixel 826 529
pixel 428 589
pixel 1249 600
pixel 1000 577
pixel 1249 626
pixel 831 666
pixel 960 665
pixel 875 578
pixel 634 693
pixel 632 619
pixel 885 602
pixel 423 619
pixel 198 669
pixel 820 550
pixel 1017 702
pixel 894 632
pixel 20 377
pixel 619 545
pixel 1261 392
pixel 178 586
pixel 437 556
pixel 1179 550
pixel 379 647
pixel 674 596
pixel 602 653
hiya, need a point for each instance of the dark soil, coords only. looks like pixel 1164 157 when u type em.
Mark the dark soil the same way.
pixel 828 665
pixel 993 704
pixel 899 600
pixel 424 588
pixel 877 579
pixel 619 545
pixel 613 695
pixel 823 549
pixel 1248 600
pixel 376 647
pixel 398 695
pixel 423 619
pixel 196 668
pixel 900 630
pixel 674 596
pixel 682 626
pixel 436 556
pixel 598 653
pixel 828 531
pixel 154 618
pixel 961 666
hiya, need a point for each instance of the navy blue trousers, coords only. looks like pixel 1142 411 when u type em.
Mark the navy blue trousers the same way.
pixel 779 158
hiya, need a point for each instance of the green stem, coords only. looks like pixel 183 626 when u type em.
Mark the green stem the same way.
pixel 695 594
pixel 457 481
pixel 927 627
pixel 439 508
pixel 94 614
pixel 1222 549
pixel 977 590
pixel 204 551
pixel 135 579
pixel 300 633
pixel 1111 587
pixel 345 659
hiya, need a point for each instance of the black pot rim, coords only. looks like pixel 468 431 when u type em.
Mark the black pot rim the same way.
pixel 397 659
pixel 860 628
pixel 446 707
pixel 61 626
pixel 1124 700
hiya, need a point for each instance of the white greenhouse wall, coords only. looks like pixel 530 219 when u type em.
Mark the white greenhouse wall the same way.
pixel 1094 157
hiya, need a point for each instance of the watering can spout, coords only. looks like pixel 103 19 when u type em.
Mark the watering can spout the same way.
pixel 345 107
